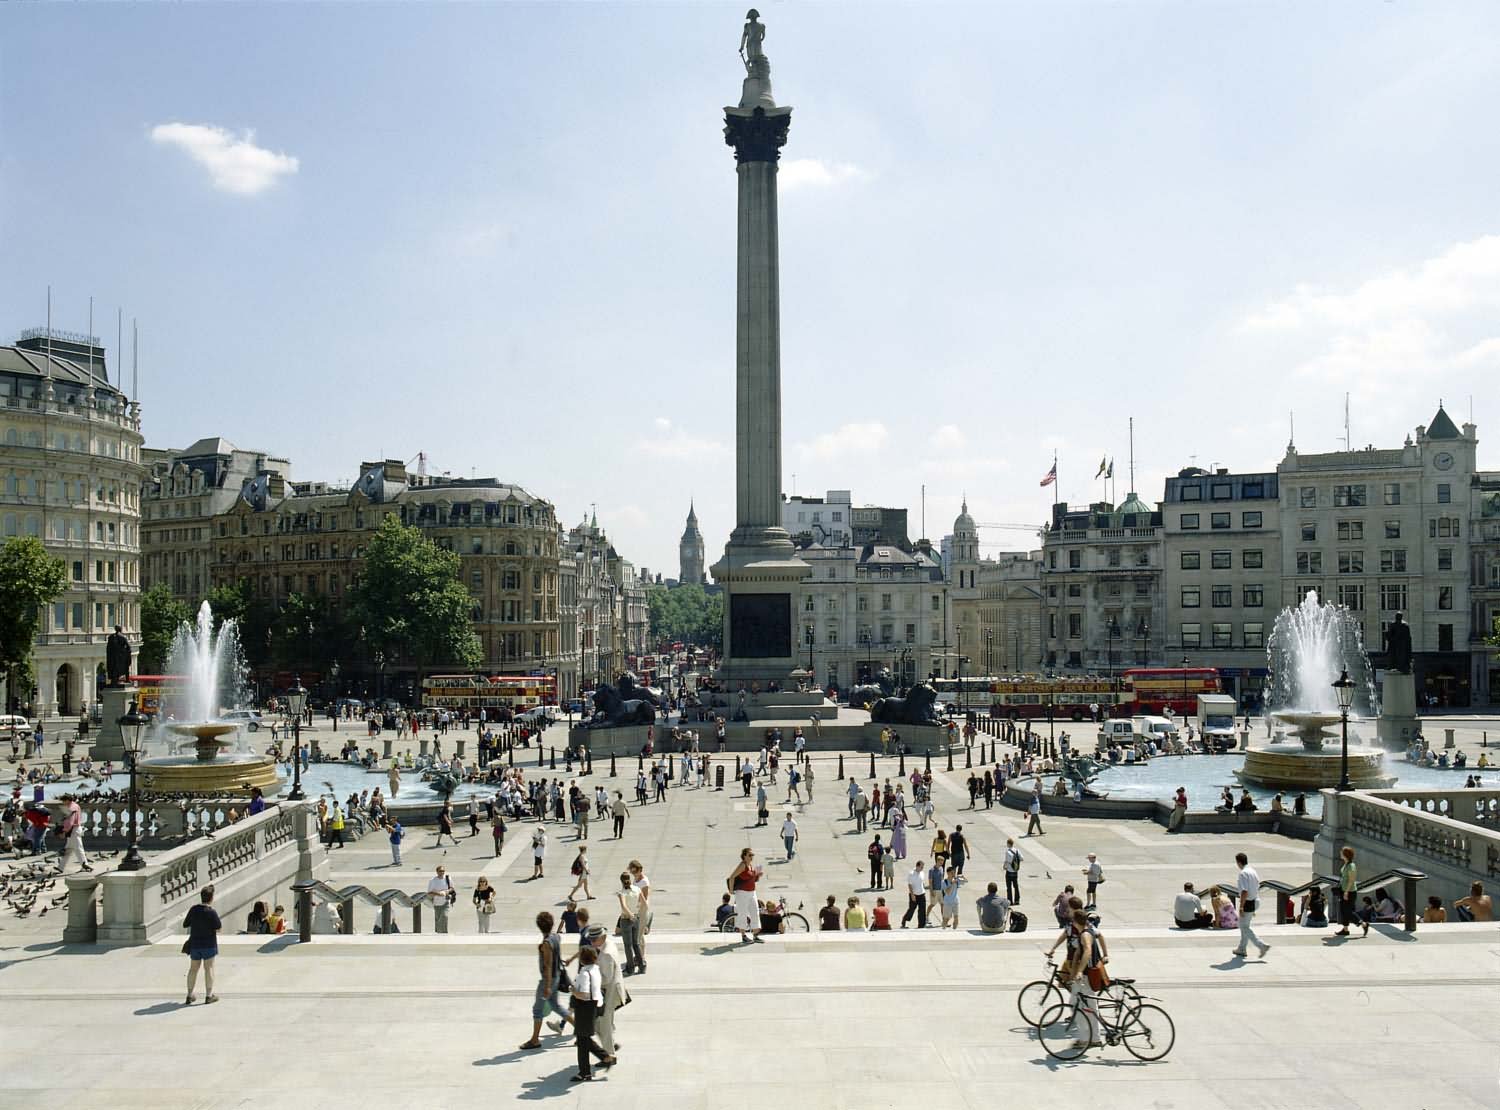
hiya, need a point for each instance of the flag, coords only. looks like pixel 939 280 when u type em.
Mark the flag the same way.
pixel 1110 473
pixel 1103 466
pixel 1051 476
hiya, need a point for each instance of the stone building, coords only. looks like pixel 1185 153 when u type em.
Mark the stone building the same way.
pixel 1101 581
pixel 182 493
pixel 612 615
pixel 690 552
pixel 995 604
pixel 70 475
pixel 825 520
pixel 1484 586
pixel 1387 530
pixel 1222 573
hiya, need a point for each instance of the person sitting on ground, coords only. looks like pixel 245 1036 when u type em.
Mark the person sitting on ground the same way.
pixel 276 923
pixel 1226 802
pixel 1226 913
pixel 1387 909
pixel 1434 914
pixel 1299 805
pixel 1478 906
pixel 1366 912
pixel 854 916
pixel 994 910
pixel 771 919
pixel 725 912
pixel 1314 911
pixel 257 921
pixel 1188 911
pixel 880 918
pixel 1246 804
pixel 828 916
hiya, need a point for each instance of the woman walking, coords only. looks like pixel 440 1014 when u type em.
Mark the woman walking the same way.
pixel 1348 884
pixel 898 833
pixel 202 945
pixel 642 885
pixel 588 999
pixel 629 924
pixel 581 872
pixel 538 850
pixel 484 903
pixel 747 911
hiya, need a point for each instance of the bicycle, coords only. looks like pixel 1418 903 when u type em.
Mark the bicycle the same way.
pixel 1040 995
pixel 1145 1030
pixel 791 920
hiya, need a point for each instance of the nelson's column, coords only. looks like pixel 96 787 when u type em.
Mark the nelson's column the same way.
pixel 760 570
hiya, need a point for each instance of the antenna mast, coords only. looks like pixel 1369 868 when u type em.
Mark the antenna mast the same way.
pixel 135 360
pixel 1348 439
pixel 1132 454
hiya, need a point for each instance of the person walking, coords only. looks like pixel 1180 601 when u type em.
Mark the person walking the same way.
pixel 1012 872
pixel 588 1000
pixel 794 784
pixel 619 811
pixel 538 850
pixel 762 807
pixel 853 793
pixel 336 825
pixel 861 810
pixel 583 818
pixel 789 833
pixel 642 887
pixel 742 882
pixel 580 870
pixel 484 903
pixel 497 831
pixel 1348 890
pixel 72 832
pixel 1095 875
pixel 1248 885
pixel 898 833
pixel 441 895
pixel 397 834
pixel 916 896
pixel 630 923
pixel 597 937
pixel 948 899
pixel 202 945
pixel 445 825
pixel 1034 813
pixel 807 778
pixel 549 994
pixel 958 850
pixel 876 852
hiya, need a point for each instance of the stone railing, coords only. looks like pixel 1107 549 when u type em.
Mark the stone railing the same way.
pixel 246 862
pixel 107 820
pixel 1448 833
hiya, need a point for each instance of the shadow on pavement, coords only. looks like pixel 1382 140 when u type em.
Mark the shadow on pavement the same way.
pixel 161 1008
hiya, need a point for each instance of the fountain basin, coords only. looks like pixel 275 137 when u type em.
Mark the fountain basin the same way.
pixel 1297 767
pixel 231 773
pixel 1310 727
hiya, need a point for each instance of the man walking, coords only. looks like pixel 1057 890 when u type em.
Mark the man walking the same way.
pixel 440 894
pixel 336 825
pixel 619 811
pixel 1034 813
pixel 761 801
pixel 853 793
pixel 1095 875
pixel 1012 871
pixel 1249 893
pixel 916 896
pixel 861 809
pixel 789 836
pixel 396 833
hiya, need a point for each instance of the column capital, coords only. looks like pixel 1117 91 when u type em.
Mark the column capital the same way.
pixel 756 134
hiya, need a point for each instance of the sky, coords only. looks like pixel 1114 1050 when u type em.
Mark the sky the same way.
pixel 503 235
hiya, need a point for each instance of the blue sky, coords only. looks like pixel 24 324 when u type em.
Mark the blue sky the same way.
pixel 503 235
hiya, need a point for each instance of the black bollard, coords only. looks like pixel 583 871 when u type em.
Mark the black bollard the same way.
pixel 554 759
pixel 588 756
pixel 510 754
pixel 841 766
pixel 950 756
pixel 612 772
pixel 901 763
pixel 872 766
pixel 969 756
pixel 929 761
pixel 640 761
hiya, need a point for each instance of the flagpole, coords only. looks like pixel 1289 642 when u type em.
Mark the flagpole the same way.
pixel 1054 480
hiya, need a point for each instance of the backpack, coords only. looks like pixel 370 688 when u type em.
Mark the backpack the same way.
pixel 876 851
pixel 1013 857
pixel 1017 921
pixel 578 865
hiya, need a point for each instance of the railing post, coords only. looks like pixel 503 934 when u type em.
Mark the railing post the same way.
pixel 386 915
pixel 346 917
pixel 304 910
pixel 1409 879
pixel 416 917
pixel 1280 905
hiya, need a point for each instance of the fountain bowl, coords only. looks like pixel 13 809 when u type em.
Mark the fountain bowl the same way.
pixel 1294 766
pixel 1308 725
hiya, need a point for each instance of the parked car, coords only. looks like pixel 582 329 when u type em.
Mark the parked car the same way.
pixel 248 718
pixel 19 727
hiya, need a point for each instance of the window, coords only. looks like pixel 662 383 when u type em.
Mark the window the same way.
pixel 1222 635
pixel 1392 597
pixel 1222 597
pixel 1221 491
pixel 1051 591
pixel 1351 530
pixel 1392 493
pixel 1250 520
pixel 510 579
pixel 837 517
pixel 1309 562
pixel 1112 557
pixel 1252 490
pixel 808 604
pixel 1051 560
pixel 1351 595
pixel 1052 626
pixel 1445 493
pixel 885 603
pixel 1075 560
pixel 1191 560
pixel 1308 498
pixel 1253 597
pixel 1143 589
pixel 1075 625
pixel 1393 529
pixel 1393 560
pixel 1445 597
pixel 1192 493
pixel 1309 532
pixel 1446 527
pixel 1445 637
pixel 1218 520
pixel 1221 560
pixel 1252 560
pixel 1255 634
pixel 1192 597
pixel 862 604
pixel 937 602
pixel 911 634
pixel 1192 635
pixel 833 634
pixel 1348 496
pixel 1189 522
pixel 1351 562
pixel 1075 590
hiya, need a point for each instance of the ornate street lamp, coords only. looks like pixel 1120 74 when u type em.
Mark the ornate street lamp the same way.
pixel 133 732
pixel 1344 688
pixel 296 701
pixel 1114 632
pixel 1184 686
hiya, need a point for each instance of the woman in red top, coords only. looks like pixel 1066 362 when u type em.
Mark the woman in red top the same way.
pixel 747 910
pixel 881 915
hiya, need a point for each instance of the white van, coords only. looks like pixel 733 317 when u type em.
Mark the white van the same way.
pixel 13 726
pixel 1116 730
pixel 1160 729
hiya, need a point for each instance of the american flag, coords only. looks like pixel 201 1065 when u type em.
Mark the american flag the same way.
pixel 1051 476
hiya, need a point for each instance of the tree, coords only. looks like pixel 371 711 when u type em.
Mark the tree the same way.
pixel 30 580
pixel 161 615
pixel 687 613
pixel 310 632
pixel 254 616
pixel 411 603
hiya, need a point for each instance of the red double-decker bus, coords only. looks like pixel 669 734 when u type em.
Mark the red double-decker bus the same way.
pixel 1149 690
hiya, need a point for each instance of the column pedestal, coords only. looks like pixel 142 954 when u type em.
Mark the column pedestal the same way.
pixel 1398 725
pixel 108 743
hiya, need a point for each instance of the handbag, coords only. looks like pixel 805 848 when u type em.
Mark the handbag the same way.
pixel 624 999
pixel 1097 976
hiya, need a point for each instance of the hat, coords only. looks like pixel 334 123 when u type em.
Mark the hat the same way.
pixel 594 932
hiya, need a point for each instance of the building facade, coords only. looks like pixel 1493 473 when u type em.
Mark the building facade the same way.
pixel 1222 574
pixel 823 520
pixel 690 552
pixel 1383 531
pixel 1484 586
pixel 70 475
pixel 995 604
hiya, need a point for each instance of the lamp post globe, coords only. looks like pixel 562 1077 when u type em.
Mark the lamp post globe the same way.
pixel 1343 686
pixel 133 734
pixel 296 702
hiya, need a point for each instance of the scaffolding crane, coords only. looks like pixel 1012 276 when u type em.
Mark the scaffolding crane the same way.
pixel 1035 529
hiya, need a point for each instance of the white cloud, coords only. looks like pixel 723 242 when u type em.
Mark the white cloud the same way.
pixel 949 439
pixel 670 442
pixel 662 424
pixel 797 173
pixel 847 439
pixel 236 165
pixel 1482 354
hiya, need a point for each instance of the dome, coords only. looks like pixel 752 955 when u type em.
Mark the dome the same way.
pixel 1133 504
pixel 963 524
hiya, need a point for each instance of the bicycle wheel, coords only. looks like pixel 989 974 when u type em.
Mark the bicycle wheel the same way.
pixel 1055 1031
pixel 1036 999
pixel 1127 996
pixel 729 925
pixel 1148 1033
pixel 795 923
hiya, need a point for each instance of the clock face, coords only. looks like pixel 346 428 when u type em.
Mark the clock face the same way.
pixel 1442 460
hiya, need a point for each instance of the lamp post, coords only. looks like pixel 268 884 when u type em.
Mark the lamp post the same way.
pixel 1344 687
pixel 989 652
pixel 296 701
pixel 1114 631
pixel 1184 685
pixel 132 732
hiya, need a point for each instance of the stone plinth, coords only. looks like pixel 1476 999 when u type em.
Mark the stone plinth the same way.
pixel 1398 725
pixel 1292 767
pixel 115 703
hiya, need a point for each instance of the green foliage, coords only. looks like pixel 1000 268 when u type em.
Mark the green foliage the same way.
pixel 256 617
pixel 30 580
pixel 311 632
pixel 161 615
pixel 411 604
pixel 687 613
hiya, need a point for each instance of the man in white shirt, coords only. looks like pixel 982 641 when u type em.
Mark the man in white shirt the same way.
pixel 439 892
pixel 613 984
pixel 916 894
pixel 1249 892
pixel 1188 911
pixel 789 837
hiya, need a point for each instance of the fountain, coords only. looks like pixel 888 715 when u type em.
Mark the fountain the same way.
pixel 1310 646
pixel 208 665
